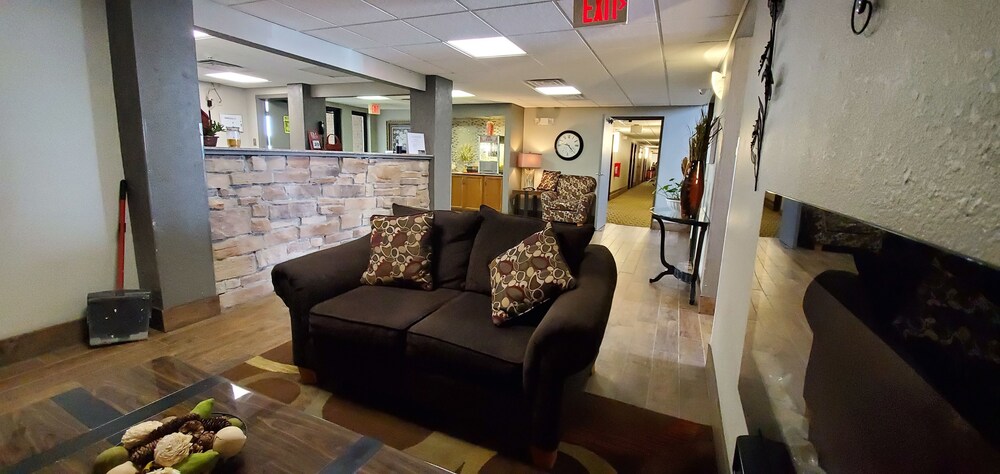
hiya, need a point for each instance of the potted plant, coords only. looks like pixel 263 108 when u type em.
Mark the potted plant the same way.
pixel 467 157
pixel 671 191
pixel 210 131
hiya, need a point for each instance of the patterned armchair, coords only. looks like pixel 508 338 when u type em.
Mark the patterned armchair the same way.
pixel 571 201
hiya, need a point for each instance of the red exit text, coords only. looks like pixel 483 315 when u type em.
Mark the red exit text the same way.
pixel 599 12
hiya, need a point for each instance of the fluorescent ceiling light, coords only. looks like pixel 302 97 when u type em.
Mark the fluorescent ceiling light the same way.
pixel 494 47
pixel 201 35
pixel 372 97
pixel 460 93
pixel 236 77
pixel 558 90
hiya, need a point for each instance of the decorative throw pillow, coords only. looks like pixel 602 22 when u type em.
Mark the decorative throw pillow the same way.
pixel 549 180
pixel 400 252
pixel 527 275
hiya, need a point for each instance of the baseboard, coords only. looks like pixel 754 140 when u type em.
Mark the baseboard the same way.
pixel 616 193
pixel 42 341
pixel 189 313
pixel 706 305
pixel 718 435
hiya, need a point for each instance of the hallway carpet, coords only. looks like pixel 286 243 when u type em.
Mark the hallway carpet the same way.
pixel 601 435
pixel 632 206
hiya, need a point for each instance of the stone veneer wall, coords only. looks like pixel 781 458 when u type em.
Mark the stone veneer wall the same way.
pixel 265 210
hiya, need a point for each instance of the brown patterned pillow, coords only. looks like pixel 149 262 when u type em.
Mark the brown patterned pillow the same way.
pixel 527 275
pixel 549 180
pixel 400 251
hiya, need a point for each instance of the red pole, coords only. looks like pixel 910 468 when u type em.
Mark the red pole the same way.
pixel 120 275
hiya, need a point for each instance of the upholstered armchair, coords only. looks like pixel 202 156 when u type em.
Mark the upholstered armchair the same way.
pixel 572 200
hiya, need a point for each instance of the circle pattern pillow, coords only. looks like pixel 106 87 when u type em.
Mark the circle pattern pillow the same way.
pixel 527 275
pixel 400 251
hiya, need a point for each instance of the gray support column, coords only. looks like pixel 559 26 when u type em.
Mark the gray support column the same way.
pixel 156 96
pixel 304 114
pixel 430 114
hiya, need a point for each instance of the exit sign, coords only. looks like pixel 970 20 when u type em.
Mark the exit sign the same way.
pixel 599 12
pixel 374 109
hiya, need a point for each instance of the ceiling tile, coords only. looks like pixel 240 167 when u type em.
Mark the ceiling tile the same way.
pixel 341 12
pixel 685 80
pixel 344 37
pixel 695 30
pixel 478 4
pixel 411 8
pixel 433 52
pixel 391 55
pixel 524 19
pixel 282 14
pixel 454 26
pixel 646 86
pixel 634 37
pixel 392 33
pixel 692 9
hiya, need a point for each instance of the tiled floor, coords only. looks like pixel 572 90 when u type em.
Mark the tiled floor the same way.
pixel 653 355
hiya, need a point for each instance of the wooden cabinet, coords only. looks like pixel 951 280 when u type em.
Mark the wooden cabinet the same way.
pixel 469 191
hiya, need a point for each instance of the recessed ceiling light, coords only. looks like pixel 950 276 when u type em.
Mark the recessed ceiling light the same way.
pixel 460 93
pixel 495 47
pixel 558 90
pixel 201 35
pixel 236 77
pixel 372 97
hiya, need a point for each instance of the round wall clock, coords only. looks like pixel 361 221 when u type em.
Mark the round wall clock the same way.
pixel 569 145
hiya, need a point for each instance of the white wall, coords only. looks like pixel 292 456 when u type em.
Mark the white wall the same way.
pixel 234 101
pixel 61 163
pixel 677 129
pixel 623 156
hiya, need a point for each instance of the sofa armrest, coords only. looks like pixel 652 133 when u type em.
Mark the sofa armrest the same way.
pixel 567 341
pixel 311 279
pixel 569 336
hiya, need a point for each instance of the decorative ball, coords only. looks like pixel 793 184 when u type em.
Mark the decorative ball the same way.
pixel 134 435
pixel 124 468
pixel 110 458
pixel 172 449
pixel 229 441
pixel 165 470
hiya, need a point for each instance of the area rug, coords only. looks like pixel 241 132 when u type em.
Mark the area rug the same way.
pixel 601 436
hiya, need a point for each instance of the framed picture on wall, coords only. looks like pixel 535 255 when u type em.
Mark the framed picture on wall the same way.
pixel 395 134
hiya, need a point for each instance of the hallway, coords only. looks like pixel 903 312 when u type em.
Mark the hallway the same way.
pixel 632 206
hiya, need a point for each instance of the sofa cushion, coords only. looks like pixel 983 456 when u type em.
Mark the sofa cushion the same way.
pixel 499 232
pixel 400 251
pixel 451 243
pixel 528 275
pixel 460 341
pixel 567 203
pixel 375 317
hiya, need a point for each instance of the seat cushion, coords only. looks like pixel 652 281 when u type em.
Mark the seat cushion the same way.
pixel 375 317
pixel 451 240
pixel 566 203
pixel 460 340
pixel 500 232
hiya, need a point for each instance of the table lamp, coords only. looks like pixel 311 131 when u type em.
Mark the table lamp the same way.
pixel 529 161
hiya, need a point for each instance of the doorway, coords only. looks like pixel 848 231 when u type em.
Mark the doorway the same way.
pixel 634 160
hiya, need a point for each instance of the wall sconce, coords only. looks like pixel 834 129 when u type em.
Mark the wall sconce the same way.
pixel 718 83
pixel 528 161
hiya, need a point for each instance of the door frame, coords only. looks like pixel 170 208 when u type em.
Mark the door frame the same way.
pixel 604 173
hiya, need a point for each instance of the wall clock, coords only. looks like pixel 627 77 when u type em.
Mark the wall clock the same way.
pixel 569 145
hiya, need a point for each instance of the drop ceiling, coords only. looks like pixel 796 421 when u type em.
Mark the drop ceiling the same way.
pixel 664 55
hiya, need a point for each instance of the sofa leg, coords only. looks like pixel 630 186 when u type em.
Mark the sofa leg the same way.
pixel 307 376
pixel 543 458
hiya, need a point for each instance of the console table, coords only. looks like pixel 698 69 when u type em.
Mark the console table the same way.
pixel 698 229
pixel 526 203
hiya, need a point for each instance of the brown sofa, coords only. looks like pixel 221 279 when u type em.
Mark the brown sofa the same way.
pixel 438 352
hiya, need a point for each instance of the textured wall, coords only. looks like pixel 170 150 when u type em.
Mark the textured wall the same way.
pixel 466 131
pixel 268 209
pixel 899 128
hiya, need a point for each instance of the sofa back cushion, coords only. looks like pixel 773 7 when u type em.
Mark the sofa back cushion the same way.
pixel 500 232
pixel 451 240
pixel 575 186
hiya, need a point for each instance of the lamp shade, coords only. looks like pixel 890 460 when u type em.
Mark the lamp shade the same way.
pixel 529 160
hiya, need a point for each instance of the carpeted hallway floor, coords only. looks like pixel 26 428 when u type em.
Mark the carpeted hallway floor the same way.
pixel 632 206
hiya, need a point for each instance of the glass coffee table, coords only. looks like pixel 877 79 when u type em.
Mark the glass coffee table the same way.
pixel 697 240
pixel 64 433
